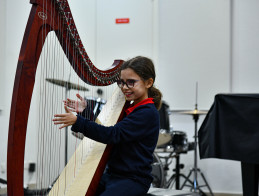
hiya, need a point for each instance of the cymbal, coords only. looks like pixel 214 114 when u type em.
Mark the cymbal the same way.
pixel 66 84
pixel 192 112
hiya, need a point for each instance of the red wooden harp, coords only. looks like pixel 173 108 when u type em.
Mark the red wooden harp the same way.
pixel 62 23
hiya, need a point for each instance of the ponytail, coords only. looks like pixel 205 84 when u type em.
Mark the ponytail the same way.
pixel 156 95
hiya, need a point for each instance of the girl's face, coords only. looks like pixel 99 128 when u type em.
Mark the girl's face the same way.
pixel 139 91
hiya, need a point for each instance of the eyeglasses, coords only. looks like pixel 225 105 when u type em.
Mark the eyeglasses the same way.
pixel 129 83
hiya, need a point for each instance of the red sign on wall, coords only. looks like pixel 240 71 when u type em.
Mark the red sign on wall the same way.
pixel 122 20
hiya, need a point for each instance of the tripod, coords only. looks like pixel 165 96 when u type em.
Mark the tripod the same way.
pixel 195 170
pixel 175 178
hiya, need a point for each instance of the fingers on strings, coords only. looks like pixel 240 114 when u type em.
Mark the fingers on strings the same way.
pixel 71 104
pixel 61 121
pixel 79 97
pixel 63 118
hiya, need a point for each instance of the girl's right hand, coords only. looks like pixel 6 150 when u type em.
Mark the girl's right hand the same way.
pixel 76 106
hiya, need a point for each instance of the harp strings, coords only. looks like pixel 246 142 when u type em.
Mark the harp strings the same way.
pixel 48 99
pixel 49 148
pixel 51 142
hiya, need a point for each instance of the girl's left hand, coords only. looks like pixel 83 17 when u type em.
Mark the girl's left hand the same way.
pixel 66 119
pixel 76 105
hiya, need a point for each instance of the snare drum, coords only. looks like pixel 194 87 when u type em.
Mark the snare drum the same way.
pixel 164 139
pixel 179 141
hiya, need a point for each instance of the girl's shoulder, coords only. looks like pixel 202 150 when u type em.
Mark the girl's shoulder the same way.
pixel 146 110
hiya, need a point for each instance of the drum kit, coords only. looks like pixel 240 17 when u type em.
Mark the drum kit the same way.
pixel 176 139
pixel 172 144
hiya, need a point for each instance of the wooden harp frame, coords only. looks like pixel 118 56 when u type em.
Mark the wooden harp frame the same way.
pixel 32 44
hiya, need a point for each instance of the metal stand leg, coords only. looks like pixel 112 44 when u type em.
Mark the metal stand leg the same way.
pixel 175 178
pixel 195 187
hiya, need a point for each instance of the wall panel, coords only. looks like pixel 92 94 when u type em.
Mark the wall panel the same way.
pixel 194 47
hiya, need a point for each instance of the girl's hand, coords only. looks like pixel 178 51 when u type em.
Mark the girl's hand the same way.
pixel 66 119
pixel 76 106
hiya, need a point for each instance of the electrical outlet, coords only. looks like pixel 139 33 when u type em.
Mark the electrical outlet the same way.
pixel 30 166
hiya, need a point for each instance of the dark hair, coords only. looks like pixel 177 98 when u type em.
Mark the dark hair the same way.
pixel 145 68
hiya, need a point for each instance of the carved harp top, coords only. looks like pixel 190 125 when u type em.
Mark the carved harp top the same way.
pixel 38 26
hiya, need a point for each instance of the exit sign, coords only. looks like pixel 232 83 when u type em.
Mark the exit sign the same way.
pixel 122 20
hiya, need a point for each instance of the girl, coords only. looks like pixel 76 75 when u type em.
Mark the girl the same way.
pixel 128 171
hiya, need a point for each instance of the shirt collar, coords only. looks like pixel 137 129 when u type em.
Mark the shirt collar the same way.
pixel 133 107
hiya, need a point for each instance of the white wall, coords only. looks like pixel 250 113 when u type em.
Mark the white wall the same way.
pixel 191 43
pixel 194 46
pixel 2 49
pixel 245 46
pixel 13 28
pixel 126 40
pixel 3 120
pixel 241 65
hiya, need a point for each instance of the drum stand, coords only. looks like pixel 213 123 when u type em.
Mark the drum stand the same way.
pixel 175 178
pixel 195 170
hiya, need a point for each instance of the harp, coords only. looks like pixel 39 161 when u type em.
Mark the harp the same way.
pixel 46 16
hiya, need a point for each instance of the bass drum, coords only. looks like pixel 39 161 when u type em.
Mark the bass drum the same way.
pixel 157 172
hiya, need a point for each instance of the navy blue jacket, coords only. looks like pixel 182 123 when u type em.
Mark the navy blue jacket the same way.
pixel 134 140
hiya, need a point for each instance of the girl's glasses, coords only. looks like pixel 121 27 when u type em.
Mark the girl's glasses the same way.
pixel 129 83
